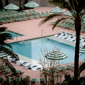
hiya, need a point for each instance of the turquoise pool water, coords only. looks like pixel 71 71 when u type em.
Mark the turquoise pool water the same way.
pixel 32 49
pixel 14 34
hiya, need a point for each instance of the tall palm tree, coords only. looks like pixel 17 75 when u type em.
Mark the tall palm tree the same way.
pixel 77 9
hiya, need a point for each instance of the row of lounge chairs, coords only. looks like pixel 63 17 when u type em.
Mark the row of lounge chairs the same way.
pixel 11 16
pixel 69 24
pixel 21 62
pixel 26 65
pixel 69 37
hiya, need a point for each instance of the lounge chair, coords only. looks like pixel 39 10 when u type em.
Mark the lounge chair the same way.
pixel 29 17
pixel 69 67
pixel 83 44
pixel 73 39
pixel 27 65
pixel 34 11
pixel 35 16
pixel 3 18
pixel 30 11
pixel 69 37
pixel 22 17
pixel 82 39
pixel 14 18
pixel 47 13
pixel 26 13
pixel 56 35
pixel 62 34
pixel 42 81
pixel 33 81
pixel 32 66
pixel 39 14
pixel 65 35
pixel 44 14
pixel 10 20
pixel 36 68
pixel 22 13
pixel 20 62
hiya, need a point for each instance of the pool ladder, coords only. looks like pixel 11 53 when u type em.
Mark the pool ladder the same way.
pixel 20 41
pixel 42 36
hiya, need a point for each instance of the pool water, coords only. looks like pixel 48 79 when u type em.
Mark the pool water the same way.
pixel 14 34
pixel 32 49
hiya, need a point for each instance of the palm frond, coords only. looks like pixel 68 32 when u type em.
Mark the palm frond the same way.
pixel 9 52
pixel 56 22
pixel 82 67
pixel 2 29
pixel 49 18
pixel 10 66
pixel 5 36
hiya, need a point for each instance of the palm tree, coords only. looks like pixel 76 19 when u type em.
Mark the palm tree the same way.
pixel 3 37
pixel 76 8
pixel 3 49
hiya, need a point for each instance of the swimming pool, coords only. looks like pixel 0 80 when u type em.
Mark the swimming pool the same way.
pixel 32 49
pixel 14 34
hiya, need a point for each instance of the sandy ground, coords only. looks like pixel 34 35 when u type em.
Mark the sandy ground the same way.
pixel 30 29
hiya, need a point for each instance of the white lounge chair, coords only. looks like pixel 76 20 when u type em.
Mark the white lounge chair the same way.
pixel 83 44
pixel 74 38
pixel 26 65
pixel 65 35
pixel 32 66
pixel 62 34
pixel 19 62
pixel 69 37
pixel 36 68
pixel 82 39
pixel 56 35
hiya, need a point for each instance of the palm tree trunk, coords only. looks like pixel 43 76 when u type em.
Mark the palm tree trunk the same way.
pixel 77 28
pixel 26 1
pixel 20 8
pixel 7 2
pixel 1 6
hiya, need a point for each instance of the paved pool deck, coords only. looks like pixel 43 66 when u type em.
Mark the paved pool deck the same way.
pixel 30 29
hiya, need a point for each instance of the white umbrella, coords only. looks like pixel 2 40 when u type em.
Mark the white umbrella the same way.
pixel 31 4
pixel 56 55
pixel 11 7
pixel 57 10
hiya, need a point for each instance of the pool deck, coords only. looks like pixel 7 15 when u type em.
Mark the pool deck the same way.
pixel 31 30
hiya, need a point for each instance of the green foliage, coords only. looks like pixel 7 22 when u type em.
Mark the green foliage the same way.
pixel 3 37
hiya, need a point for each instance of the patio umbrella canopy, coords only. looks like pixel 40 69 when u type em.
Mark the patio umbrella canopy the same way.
pixel 68 14
pixel 11 7
pixel 56 55
pixel 57 10
pixel 31 4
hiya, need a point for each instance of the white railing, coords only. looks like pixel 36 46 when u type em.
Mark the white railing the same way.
pixel 43 43
pixel 22 41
